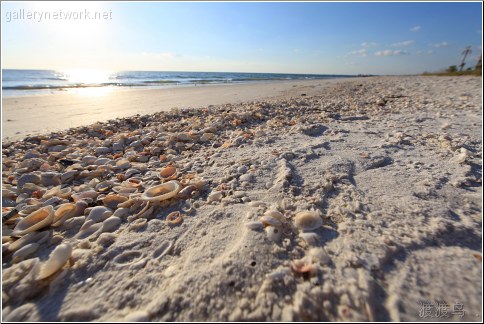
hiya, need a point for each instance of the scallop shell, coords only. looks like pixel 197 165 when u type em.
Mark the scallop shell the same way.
pixel 308 220
pixel 162 192
pixel 168 173
pixel 36 220
pixel 56 260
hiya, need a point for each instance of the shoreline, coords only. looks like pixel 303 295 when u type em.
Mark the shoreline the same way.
pixel 39 114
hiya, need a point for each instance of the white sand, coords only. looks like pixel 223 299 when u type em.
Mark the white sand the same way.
pixel 392 164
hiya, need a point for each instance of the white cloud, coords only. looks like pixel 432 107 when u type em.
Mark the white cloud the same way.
pixel 404 43
pixel 415 28
pixel 391 53
pixel 430 52
pixel 439 45
pixel 368 44
pixel 361 52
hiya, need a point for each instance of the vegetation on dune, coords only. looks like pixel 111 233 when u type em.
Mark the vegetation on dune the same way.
pixel 454 71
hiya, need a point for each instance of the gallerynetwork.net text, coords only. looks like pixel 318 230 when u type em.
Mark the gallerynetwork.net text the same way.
pixel 40 16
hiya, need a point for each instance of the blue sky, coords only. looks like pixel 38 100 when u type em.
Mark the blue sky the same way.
pixel 328 38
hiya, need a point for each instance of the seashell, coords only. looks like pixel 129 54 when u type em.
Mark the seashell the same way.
pixel 28 178
pixel 257 204
pixel 168 173
pixel 270 221
pixel 215 196
pixel 255 226
pixel 48 179
pixel 111 224
pixel 88 229
pixel 174 218
pixel 112 201
pixel 36 220
pixel 138 223
pixel 276 214
pixel 124 190
pixel 74 222
pixel 309 237
pixel 85 195
pixel 186 192
pixel 123 164
pixel 98 214
pixel 308 220
pixel 273 233
pixel 121 212
pixel 162 192
pixel 63 212
pixel 127 258
pixel 303 268
pixel 68 176
pixel 56 260
pixel 24 252
pixel 32 237
pixel 207 137
pixel 137 316
pixel 104 186
pixel 131 172
pixel 164 249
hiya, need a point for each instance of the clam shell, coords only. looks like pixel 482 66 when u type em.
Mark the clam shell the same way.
pixel 98 214
pixel 112 201
pixel 162 192
pixel 64 212
pixel 308 220
pixel 36 220
pixel 25 251
pixel 26 239
pixel 56 260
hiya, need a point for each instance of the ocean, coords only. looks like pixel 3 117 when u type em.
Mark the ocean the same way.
pixel 29 82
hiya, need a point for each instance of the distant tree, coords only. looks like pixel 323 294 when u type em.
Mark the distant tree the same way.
pixel 452 68
pixel 466 52
pixel 479 63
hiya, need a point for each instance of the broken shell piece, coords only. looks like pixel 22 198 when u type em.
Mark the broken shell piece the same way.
pixel 215 196
pixel 162 192
pixel 303 268
pixel 308 220
pixel 174 218
pixel 56 260
pixel 273 233
pixel 254 226
pixel 164 249
pixel 37 220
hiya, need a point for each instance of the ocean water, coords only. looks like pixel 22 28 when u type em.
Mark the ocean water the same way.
pixel 28 82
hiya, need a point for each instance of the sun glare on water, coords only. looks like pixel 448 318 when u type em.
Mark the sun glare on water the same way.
pixel 89 82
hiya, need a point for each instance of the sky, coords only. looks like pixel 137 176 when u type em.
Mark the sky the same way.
pixel 319 38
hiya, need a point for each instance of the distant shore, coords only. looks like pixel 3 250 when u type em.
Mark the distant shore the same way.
pixel 37 114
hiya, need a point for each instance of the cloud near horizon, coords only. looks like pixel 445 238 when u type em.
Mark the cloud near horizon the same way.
pixel 404 43
pixel 391 53
pixel 361 52
pixel 415 28
pixel 439 45
pixel 368 44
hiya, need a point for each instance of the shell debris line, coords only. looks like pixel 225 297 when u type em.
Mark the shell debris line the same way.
pixel 341 204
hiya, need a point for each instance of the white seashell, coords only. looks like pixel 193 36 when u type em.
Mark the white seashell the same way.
pixel 56 260
pixel 308 220
pixel 37 220
pixel 162 192
pixel 121 212
pixel 257 204
pixel 255 226
pixel 309 237
pixel 24 240
pixel 276 214
pixel 99 214
pixel 273 233
pixel 87 231
pixel 74 222
pixel 137 316
pixel 215 196
pixel 270 221
pixel 164 249
pixel 111 224
pixel 24 252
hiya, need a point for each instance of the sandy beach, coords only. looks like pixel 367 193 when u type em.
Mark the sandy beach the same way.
pixel 29 115
pixel 326 200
